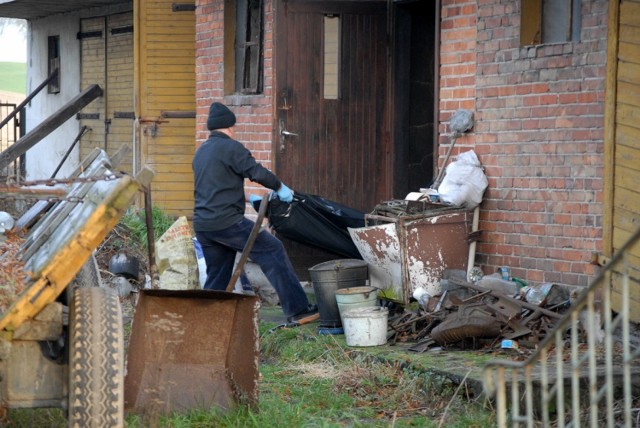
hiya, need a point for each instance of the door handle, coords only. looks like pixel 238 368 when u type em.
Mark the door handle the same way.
pixel 284 133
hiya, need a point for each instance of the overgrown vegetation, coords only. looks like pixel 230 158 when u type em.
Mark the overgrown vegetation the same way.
pixel 311 380
pixel 135 222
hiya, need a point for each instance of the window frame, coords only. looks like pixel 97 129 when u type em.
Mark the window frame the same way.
pixel 244 47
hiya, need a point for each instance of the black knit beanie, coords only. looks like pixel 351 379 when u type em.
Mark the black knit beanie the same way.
pixel 220 117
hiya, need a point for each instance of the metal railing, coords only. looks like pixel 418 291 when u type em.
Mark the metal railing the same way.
pixel 587 371
pixel 10 132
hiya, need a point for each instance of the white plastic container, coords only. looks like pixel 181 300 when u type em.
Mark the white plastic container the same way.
pixel 366 326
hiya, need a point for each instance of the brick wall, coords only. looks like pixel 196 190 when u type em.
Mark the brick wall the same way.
pixel 539 129
pixel 253 113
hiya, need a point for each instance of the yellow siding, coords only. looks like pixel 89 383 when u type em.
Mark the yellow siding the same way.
pixel 92 72
pixel 622 209
pixel 107 60
pixel 120 86
pixel 166 83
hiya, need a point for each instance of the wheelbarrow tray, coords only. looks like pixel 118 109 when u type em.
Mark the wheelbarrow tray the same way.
pixel 64 239
pixel 192 349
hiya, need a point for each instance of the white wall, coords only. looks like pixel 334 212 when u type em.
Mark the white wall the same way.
pixel 44 157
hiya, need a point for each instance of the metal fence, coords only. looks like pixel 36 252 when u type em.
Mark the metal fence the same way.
pixel 9 134
pixel 587 371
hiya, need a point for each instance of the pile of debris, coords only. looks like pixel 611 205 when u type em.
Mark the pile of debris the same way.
pixel 488 313
pixel 13 278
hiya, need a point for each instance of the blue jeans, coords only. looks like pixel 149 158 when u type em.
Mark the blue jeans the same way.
pixel 220 248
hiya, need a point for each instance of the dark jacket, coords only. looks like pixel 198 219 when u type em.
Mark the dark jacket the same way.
pixel 220 166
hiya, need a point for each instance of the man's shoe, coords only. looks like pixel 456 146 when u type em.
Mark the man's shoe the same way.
pixel 310 314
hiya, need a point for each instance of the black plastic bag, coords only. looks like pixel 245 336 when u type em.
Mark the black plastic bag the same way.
pixel 315 221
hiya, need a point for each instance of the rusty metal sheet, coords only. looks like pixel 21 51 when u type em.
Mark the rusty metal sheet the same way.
pixel 411 252
pixel 380 248
pixel 192 349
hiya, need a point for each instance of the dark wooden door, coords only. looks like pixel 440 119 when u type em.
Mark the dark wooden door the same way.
pixel 332 130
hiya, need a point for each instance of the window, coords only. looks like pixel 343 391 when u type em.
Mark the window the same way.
pixel 243 46
pixel 549 21
pixel 54 64
pixel 331 57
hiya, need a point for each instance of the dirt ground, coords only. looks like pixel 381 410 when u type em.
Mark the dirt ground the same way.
pixel 11 97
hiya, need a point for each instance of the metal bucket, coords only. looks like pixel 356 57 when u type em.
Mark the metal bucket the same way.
pixel 192 349
pixel 328 277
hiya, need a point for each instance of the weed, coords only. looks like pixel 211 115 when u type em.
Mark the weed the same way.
pixel 135 222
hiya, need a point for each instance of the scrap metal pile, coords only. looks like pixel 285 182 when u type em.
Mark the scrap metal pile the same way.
pixel 481 315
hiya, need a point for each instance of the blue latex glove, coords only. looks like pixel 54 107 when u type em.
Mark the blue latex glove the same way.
pixel 254 198
pixel 285 194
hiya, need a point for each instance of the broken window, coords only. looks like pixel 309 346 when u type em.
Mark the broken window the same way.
pixel 549 21
pixel 331 57
pixel 243 59
pixel 54 64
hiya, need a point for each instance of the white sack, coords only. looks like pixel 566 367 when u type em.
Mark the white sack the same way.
pixel 464 182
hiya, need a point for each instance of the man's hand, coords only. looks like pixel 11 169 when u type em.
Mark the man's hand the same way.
pixel 285 194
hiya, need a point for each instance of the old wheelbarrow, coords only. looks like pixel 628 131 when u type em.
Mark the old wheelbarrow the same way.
pixel 61 334
pixel 194 348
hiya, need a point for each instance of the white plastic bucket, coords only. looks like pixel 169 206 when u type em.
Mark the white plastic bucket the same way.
pixel 355 297
pixel 366 326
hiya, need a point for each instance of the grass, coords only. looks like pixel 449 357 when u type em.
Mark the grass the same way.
pixel 135 222
pixel 306 380
pixel 311 380
pixel 13 77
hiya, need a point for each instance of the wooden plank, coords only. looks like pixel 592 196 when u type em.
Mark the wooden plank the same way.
pixel 625 221
pixel 630 35
pixel 171 159
pixel 634 302
pixel 627 115
pixel 627 200
pixel 49 125
pixel 630 14
pixel 628 136
pixel 611 91
pixel 620 237
pixel 628 157
pixel 628 72
pixel 628 93
pixel 628 179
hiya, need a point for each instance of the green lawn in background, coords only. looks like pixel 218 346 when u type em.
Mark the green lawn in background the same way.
pixel 13 77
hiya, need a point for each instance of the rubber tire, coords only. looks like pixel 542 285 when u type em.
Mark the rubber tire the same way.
pixel 96 359
pixel 88 276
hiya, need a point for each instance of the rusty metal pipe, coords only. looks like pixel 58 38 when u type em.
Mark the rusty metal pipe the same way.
pixel 148 217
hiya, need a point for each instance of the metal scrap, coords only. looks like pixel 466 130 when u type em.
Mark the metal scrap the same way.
pixel 485 318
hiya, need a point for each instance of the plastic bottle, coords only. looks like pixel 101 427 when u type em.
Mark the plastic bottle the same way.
pixel 496 283
pixel 422 296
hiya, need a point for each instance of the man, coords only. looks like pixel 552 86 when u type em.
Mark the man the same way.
pixel 220 166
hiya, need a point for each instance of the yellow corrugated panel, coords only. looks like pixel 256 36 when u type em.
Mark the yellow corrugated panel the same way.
pixel 166 83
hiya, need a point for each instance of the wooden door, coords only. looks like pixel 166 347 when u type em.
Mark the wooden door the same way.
pixel 107 60
pixel 332 130
pixel 165 81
